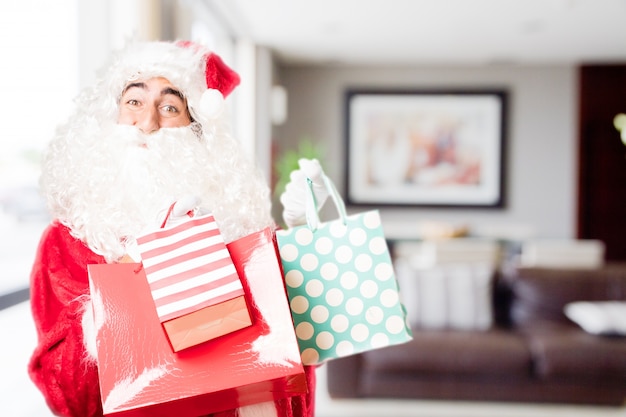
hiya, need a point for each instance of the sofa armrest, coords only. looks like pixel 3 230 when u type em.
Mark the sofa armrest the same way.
pixel 539 295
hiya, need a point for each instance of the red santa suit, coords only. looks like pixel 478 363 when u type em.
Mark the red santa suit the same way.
pixel 100 201
pixel 59 366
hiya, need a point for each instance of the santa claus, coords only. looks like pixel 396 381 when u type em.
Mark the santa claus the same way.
pixel 152 132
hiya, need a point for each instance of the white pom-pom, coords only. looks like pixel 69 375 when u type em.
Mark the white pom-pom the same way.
pixel 211 103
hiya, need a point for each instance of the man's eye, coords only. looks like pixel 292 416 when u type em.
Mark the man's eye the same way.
pixel 170 109
pixel 132 102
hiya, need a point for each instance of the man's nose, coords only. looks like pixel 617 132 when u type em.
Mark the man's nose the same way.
pixel 148 120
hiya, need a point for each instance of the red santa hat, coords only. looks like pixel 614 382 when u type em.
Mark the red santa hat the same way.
pixel 221 80
pixel 201 75
pixel 217 74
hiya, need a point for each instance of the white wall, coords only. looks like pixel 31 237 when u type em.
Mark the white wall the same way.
pixel 541 144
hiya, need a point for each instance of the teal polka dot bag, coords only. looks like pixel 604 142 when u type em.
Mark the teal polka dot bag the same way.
pixel 342 288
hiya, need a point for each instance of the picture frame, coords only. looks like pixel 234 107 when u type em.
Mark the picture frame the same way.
pixel 425 148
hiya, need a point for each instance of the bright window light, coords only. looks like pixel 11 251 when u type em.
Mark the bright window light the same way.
pixel 38 81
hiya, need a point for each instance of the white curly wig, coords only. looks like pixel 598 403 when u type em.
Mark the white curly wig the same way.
pixel 106 189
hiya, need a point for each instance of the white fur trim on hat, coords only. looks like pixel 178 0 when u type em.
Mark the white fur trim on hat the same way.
pixel 211 104
pixel 183 67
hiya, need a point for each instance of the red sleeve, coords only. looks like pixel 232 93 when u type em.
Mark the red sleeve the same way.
pixel 58 285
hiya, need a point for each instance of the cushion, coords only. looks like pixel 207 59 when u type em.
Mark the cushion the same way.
pixel 600 317
pixel 562 253
pixel 447 296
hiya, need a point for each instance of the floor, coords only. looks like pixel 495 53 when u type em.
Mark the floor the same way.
pixel 20 398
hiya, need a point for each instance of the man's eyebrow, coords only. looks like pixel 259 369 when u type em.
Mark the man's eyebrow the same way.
pixel 165 91
pixel 131 85
pixel 170 90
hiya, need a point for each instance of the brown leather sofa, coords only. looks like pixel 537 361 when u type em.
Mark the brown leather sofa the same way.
pixel 532 352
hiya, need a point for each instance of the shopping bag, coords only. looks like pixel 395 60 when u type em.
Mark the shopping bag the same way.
pixel 139 373
pixel 194 284
pixel 341 284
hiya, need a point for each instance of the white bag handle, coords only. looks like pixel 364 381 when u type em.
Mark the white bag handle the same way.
pixel 188 202
pixel 312 217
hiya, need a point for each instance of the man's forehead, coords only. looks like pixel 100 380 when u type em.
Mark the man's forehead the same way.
pixel 157 83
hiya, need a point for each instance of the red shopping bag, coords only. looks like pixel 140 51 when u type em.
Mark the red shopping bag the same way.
pixel 193 281
pixel 139 373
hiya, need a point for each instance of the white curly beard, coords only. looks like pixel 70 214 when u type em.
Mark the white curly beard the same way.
pixel 108 187
pixel 108 190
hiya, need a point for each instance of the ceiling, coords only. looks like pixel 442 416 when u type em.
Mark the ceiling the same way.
pixel 449 32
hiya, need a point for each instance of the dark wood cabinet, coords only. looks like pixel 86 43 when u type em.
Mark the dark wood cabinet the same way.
pixel 602 158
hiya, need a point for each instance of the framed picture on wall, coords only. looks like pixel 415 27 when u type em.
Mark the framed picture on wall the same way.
pixel 425 148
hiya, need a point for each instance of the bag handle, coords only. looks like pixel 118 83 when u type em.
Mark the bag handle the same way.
pixel 312 217
pixel 168 214
pixel 190 213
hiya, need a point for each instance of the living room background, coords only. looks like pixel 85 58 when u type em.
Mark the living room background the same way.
pixel 541 140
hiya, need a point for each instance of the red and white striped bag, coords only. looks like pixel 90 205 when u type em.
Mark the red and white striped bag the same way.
pixel 194 284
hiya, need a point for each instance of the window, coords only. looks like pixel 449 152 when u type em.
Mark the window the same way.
pixel 38 81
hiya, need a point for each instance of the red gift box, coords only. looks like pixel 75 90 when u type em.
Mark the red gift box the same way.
pixel 139 373
pixel 194 284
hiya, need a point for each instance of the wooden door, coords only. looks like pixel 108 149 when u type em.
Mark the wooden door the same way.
pixel 602 158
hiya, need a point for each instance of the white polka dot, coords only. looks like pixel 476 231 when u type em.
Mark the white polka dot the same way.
pixel 289 252
pixel 329 271
pixel 309 262
pixel 354 306
pixel 378 245
pixel 363 263
pixel 383 271
pixel 338 229
pixel 294 278
pixel 369 289
pixel 314 288
pixel 324 246
pixel 334 297
pixel 299 304
pixel 303 236
pixel 359 332
pixel 344 348
pixel 358 237
pixel 349 280
pixel 310 356
pixel 339 323
pixel 379 340
pixel 305 330
pixel 325 340
pixel 371 219
pixel 319 314
pixel 374 315
pixel 343 254
pixel 394 324
pixel 389 298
